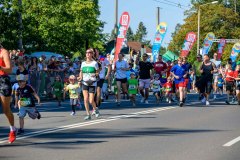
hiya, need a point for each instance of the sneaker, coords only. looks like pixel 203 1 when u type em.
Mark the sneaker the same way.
pixel 180 104
pixel 203 100
pixel 227 102
pixel 88 117
pixel 142 100
pixel 12 136
pixel 97 113
pixel 207 103
pixel 39 115
pixel 146 101
pixel 169 101
pixel 20 131
pixel 93 112
pixel 73 114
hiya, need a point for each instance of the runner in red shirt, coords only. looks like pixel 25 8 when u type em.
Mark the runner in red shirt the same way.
pixel 161 68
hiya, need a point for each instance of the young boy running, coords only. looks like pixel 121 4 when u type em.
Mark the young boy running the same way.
pixel 25 102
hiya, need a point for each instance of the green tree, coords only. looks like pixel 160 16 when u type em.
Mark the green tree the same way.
pixel 130 34
pixel 66 27
pixel 141 33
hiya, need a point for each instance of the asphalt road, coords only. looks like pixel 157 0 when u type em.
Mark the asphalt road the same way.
pixel 144 132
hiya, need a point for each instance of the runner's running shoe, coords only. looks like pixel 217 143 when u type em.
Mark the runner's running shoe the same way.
pixel 97 113
pixel 73 114
pixel 88 117
pixel 93 112
pixel 181 104
pixel 203 100
pixel 227 102
pixel 12 136
pixel 207 103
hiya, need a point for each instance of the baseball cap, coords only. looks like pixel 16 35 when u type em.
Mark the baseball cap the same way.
pixel 132 73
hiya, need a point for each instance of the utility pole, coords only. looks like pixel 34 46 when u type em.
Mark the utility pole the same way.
pixel 20 43
pixel 158 15
pixel 116 18
pixel 235 4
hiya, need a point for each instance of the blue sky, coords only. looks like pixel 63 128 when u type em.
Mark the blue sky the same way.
pixel 145 11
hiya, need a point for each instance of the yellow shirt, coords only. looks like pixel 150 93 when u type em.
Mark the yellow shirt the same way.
pixel 73 90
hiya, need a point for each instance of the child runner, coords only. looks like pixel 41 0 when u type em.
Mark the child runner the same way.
pixel 220 83
pixel 156 86
pixel 72 88
pixel 132 88
pixel 57 89
pixel 25 102
pixel 168 89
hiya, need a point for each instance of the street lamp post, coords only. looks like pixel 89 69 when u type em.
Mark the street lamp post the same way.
pixel 199 12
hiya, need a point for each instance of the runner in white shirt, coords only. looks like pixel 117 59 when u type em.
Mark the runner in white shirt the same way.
pixel 215 75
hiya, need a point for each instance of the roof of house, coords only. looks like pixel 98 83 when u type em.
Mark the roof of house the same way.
pixel 137 46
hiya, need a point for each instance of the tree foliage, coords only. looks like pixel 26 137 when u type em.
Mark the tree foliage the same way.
pixel 225 25
pixel 141 33
pixel 54 25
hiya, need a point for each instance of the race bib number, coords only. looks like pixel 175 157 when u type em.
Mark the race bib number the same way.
pixel 73 91
pixel 155 86
pixel 25 102
pixel 132 87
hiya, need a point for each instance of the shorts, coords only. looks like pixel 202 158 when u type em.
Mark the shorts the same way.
pixel 124 80
pixel 31 111
pixel 180 84
pixel 205 85
pixel 144 83
pixel 100 83
pixel 90 89
pixel 186 81
pixel 73 101
pixel 229 86
pixel 5 86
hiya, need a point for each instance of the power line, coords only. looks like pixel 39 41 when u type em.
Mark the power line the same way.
pixel 179 4
pixel 170 4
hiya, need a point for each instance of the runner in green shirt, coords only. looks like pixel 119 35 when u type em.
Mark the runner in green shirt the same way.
pixel 132 88
pixel 57 89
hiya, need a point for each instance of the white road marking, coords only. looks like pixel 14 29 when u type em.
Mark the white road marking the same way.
pixel 232 142
pixel 82 124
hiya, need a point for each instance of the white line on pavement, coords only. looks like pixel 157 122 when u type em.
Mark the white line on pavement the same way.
pixel 82 124
pixel 232 142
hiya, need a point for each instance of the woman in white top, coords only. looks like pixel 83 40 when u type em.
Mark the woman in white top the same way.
pixel 121 66
pixel 88 77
